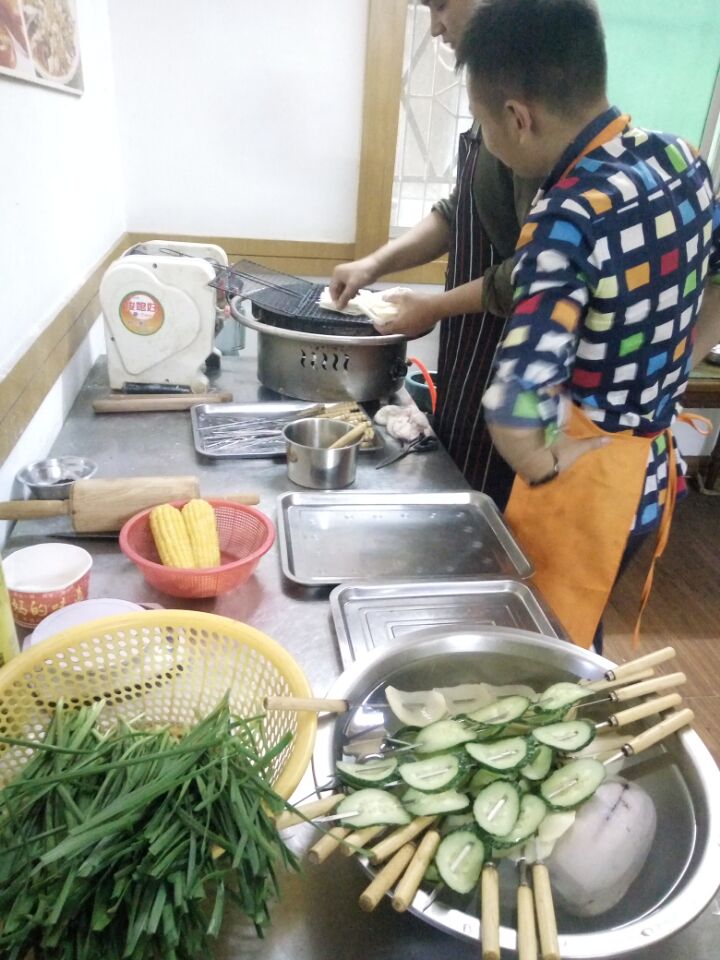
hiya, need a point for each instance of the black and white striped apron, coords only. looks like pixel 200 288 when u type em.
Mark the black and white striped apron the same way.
pixel 468 344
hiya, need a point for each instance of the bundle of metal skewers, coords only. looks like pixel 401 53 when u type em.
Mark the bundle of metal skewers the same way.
pixel 263 434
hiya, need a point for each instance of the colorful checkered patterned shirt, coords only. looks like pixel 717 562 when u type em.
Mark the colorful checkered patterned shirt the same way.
pixel 610 269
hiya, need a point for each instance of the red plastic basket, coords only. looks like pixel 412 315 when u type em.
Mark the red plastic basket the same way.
pixel 245 535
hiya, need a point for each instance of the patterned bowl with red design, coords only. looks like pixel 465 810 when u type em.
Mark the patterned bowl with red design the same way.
pixel 45 577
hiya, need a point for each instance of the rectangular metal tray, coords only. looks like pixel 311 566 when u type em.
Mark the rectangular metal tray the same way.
pixel 326 538
pixel 374 613
pixel 206 416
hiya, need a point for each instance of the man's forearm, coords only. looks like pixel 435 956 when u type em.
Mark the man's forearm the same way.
pixel 525 450
pixel 466 298
pixel 425 242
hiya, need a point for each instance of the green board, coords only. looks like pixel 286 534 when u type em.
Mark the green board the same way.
pixel 663 58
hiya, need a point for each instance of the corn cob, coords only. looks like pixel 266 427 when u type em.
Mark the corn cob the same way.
pixel 201 526
pixel 171 536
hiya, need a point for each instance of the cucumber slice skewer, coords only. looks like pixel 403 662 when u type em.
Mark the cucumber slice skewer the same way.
pixel 538 768
pixel 432 775
pixel 568 736
pixel 433 804
pixel 374 772
pixel 496 808
pixel 370 808
pixel 459 860
pixel 510 753
pixel 572 784
pixel 443 735
pixel 501 712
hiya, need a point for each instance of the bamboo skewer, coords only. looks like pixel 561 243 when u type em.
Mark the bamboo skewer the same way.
pixel 412 878
pixel 327 845
pixel 387 847
pixel 526 932
pixel 490 912
pixel 290 818
pixel 387 877
pixel 356 841
pixel 545 912
pixel 634 690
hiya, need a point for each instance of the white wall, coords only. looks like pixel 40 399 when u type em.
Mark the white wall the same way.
pixel 240 117
pixel 61 209
pixel 61 203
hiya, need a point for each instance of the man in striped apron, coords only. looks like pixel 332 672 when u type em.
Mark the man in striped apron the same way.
pixel 478 227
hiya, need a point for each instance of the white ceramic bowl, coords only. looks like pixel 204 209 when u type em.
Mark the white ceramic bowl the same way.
pixel 81 612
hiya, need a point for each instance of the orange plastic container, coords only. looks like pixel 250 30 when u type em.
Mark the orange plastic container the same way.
pixel 245 534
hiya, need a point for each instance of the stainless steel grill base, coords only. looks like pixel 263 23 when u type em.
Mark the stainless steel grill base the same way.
pixel 310 367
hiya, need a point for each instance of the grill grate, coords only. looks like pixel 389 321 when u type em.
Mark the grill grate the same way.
pixel 282 300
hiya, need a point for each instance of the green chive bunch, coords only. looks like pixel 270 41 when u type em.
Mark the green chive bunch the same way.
pixel 123 843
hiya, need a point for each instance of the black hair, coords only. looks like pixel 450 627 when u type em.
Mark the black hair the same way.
pixel 548 51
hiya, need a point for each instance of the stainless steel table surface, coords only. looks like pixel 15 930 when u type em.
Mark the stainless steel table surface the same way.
pixel 317 917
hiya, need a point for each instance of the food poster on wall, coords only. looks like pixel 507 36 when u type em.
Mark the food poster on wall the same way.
pixel 39 43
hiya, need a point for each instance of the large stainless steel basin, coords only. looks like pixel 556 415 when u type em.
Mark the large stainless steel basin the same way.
pixel 682 873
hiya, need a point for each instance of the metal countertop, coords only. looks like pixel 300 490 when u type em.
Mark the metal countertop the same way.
pixel 317 917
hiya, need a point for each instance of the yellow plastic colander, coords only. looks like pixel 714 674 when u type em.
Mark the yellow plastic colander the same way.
pixel 170 666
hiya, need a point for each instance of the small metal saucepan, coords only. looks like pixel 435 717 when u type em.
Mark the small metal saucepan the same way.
pixel 52 479
pixel 311 460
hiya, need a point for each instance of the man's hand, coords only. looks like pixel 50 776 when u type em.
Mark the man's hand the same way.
pixel 416 315
pixel 348 278
pixel 568 450
pixel 525 450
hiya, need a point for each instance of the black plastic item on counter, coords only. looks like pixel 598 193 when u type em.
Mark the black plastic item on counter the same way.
pixel 281 300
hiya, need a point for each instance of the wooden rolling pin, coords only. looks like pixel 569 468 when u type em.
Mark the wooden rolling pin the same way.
pixel 149 403
pixel 103 506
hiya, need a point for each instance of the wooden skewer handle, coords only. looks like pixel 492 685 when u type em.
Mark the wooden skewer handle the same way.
pixel 490 912
pixel 357 433
pixel 646 709
pixel 357 840
pixel 247 499
pixel 526 934
pixel 31 509
pixel 386 878
pixel 150 403
pixel 311 704
pixel 387 847
pixel 412 878
pixel 545 912
pixel 632 667
pixel 649 686
pixel 329 844
pixel 660 731
pixel 309 810
pixel 602 685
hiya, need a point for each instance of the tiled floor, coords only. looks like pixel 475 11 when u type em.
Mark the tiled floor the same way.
pixel 684 610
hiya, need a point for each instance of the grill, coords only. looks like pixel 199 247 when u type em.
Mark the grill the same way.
pixel 281 300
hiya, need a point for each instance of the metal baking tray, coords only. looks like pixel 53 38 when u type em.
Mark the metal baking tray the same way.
pixel 327 538
pixel 208 416
pixel 374 613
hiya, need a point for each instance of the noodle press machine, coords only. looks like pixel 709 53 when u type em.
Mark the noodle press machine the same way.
pixel 162 314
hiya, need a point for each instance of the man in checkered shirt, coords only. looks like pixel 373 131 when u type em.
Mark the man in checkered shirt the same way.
pixel 613 259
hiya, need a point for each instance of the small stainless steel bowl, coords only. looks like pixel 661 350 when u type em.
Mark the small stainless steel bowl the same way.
pixel 52 479
pixel 310 461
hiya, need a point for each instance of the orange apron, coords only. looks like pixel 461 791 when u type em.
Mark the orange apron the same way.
pixel 575 528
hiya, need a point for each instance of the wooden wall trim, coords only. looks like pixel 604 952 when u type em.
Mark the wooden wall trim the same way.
pixel 383 83
pixel 24 388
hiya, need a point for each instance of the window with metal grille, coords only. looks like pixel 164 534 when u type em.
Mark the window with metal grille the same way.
pixel 433 113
